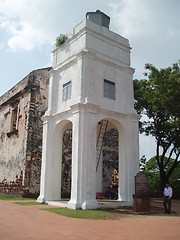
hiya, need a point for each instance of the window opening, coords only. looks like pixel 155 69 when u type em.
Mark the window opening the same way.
pixel 14 121
pixel 67 91
pixel 109 89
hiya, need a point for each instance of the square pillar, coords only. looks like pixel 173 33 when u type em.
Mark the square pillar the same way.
pixel 83 190
pixel 50 188
pixel 128 157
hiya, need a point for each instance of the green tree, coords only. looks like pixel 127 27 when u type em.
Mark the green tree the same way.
pixel 152 172
pixel 158 98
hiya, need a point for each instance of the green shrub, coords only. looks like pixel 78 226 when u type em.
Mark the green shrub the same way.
pixel 60 40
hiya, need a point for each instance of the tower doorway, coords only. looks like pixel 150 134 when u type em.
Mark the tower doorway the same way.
pixel 66 170
pixel 107 160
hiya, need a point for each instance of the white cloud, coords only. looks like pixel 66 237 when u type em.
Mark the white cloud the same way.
pixel 27 23
pixel 30 24
pixel 1 45
pixel 26 37
pixel 152 28
pixel 139 18
pixel 131 17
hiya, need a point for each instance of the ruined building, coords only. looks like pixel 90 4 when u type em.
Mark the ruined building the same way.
pixel 89 125
pixel 21 109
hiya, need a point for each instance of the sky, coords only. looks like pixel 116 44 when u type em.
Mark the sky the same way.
pixel 28 30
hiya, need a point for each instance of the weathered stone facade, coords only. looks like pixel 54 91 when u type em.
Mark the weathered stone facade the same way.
pixel 21 109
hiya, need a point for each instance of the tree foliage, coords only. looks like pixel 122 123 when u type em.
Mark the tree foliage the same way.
pixel 158 98
pixel 151 169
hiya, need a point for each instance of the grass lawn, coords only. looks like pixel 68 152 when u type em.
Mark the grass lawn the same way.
pixel 10 197
pixel 30 203
pixel 85 214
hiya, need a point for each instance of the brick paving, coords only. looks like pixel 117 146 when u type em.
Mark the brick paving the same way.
pixel 19 222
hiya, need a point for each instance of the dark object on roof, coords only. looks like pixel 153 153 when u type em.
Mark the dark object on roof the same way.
pixel 99 18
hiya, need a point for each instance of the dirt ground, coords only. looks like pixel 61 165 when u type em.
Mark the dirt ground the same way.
pixel 156 210
pixel 19 222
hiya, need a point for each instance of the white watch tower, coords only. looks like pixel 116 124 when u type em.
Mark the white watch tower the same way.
pixel 90 85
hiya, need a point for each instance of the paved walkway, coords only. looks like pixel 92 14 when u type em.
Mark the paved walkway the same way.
pixel 19 222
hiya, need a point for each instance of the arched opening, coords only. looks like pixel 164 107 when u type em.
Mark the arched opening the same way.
pixel 66 169
pixel 63 158
pixel 107 158
pixel 110 164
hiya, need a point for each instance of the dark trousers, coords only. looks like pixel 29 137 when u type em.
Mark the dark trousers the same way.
pixel 167 204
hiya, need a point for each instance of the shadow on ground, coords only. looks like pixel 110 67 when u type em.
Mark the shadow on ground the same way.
pixel 156 210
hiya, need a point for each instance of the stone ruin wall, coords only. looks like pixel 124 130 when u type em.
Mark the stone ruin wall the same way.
pixel 13 144
pixel 38 106
pixel 21 149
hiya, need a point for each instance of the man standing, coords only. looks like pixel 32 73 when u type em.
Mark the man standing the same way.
pixel 167 198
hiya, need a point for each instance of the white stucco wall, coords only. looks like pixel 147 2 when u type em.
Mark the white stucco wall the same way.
pixel 91 54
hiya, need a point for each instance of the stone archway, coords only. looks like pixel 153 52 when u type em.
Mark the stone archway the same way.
pixel 110 164
pixel 66 168
pixel 107 158
pixel 61 159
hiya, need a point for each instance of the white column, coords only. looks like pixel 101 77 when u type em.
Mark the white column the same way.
pixel 46 153
pixel 76 179
pixel 134 154
pixel 83 191
pixel 128 158
pixel 50 169
pixel 122 186
pixel 90 201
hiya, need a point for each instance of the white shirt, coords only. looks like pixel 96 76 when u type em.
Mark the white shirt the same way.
pixel 168 191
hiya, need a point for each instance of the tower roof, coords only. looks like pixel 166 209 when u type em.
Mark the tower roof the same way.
pixel 99 18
